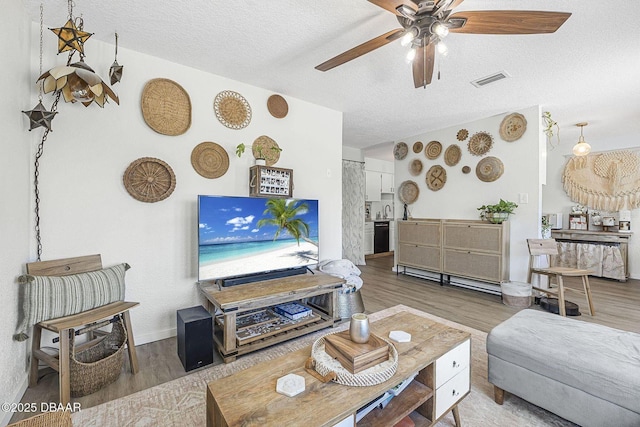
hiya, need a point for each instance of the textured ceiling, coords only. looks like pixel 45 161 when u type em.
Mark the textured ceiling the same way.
pixel 580 73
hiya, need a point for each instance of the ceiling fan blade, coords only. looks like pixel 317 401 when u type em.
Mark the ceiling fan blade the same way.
pixel 423 65
pixel 508 22
pixel 392 5
pixel 360 50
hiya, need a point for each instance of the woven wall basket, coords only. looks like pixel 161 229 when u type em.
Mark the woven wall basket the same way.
pixel 210 160
pixel 166 107
pixel 268 148
pixel 232 110
pixel 149 180
pixel 277 106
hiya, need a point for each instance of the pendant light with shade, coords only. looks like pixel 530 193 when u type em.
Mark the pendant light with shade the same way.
pixel 582 148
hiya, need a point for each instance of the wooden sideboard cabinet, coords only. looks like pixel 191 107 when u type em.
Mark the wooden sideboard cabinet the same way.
pixel 469 249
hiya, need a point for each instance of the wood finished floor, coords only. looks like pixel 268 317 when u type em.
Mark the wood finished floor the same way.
pixel 617 305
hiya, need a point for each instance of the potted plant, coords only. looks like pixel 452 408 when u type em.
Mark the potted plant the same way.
pixel 259 155
pixel 546 227
pixel 497 213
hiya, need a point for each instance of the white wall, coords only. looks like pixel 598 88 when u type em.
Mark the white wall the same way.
pixel 555 199
pixel 85 207
pixel 464 193
pixel 15 208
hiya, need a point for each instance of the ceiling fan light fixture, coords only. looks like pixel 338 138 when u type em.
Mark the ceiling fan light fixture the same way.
pixel 442 48
pixel 409 36
pixel 439 29
pixel 582 148
pixel 411 55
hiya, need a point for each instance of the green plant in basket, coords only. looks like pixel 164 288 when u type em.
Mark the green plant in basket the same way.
pixel 497 213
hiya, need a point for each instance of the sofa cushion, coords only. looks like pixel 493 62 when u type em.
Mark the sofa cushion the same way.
pixel 599 360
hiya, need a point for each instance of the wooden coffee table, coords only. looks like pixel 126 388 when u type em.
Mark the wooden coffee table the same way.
pixel 438 353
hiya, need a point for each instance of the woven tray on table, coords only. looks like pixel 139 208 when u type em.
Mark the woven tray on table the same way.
pixel 99 365
pixel 326 365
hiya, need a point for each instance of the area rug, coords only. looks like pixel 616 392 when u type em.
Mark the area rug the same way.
pixel 182 402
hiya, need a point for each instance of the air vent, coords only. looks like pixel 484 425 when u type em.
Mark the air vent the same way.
pixel 490 79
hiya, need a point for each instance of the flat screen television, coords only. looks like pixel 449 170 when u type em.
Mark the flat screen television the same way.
pixel 246 238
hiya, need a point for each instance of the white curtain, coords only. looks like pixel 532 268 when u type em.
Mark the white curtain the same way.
pixel 353 184
pixel 603 260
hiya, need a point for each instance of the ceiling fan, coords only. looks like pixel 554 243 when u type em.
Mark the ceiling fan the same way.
pixel 425 23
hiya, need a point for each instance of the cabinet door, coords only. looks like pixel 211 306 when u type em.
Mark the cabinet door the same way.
pixel 424 257
pixel 475 265
pixel 368 238
pixel 419 232
pixel 387 182
pixel 373 183
pixel 392 235
pixel 473 237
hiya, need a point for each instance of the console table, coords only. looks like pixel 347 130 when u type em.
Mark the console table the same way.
pixel 233 301
pixel 438 353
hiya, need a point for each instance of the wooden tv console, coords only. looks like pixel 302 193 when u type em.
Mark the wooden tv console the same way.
pixel 228 305
pixel 440 355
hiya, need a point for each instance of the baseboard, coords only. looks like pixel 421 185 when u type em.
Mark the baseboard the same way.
pixel 155 336
pixel 6 417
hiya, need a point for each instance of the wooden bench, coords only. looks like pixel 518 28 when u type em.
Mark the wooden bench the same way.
pixel 63 326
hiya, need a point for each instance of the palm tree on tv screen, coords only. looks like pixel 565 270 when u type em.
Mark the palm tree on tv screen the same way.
pixel 283 215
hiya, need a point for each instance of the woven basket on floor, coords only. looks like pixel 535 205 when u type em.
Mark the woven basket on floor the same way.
pixel 99 365
pixel 46 419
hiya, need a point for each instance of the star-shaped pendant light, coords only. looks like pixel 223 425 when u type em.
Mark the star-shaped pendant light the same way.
pixel 40 117
pixel 70 37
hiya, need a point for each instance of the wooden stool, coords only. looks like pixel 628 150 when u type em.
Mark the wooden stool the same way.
pixel 63 326
pixel 548 247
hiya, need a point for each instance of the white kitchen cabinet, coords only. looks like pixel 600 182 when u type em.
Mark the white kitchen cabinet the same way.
pixel 392 236
pixel 386 180
pixel 368 238
pixel 372 186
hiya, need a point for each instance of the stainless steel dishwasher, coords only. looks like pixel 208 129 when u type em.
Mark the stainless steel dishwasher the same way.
pixel 381 237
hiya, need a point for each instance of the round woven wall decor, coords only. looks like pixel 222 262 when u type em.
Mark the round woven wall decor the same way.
pixel 462 134
pixel 489 169
pixel 166 107
pixel 433 150
pixel 149 180
pixel 400 151
pixel 408 192
pixel 210 160
pixel 452 155
pixel 436 177
pixel 277 106
pixel 417 147
pixel 266 148
pixel 466 169
pixel 232 110
pixel 415 167
pixel 480 143
pixel 513 127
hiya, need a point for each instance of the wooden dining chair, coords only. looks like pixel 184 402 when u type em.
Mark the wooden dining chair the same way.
pixel 546 248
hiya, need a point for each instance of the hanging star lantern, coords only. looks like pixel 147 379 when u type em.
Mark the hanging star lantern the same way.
pixel 40 117
pixel 70 37
pixel 115 72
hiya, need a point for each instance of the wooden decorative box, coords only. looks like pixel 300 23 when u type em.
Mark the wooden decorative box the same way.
pixel 356 357
pixel 268 181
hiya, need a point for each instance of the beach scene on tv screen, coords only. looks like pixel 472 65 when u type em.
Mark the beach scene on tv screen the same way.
pixel 239 236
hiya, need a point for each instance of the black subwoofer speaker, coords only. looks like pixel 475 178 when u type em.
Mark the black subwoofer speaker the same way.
pixel 195 337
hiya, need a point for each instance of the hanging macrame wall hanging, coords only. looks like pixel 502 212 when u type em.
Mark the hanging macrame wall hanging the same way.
pixel 605 181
